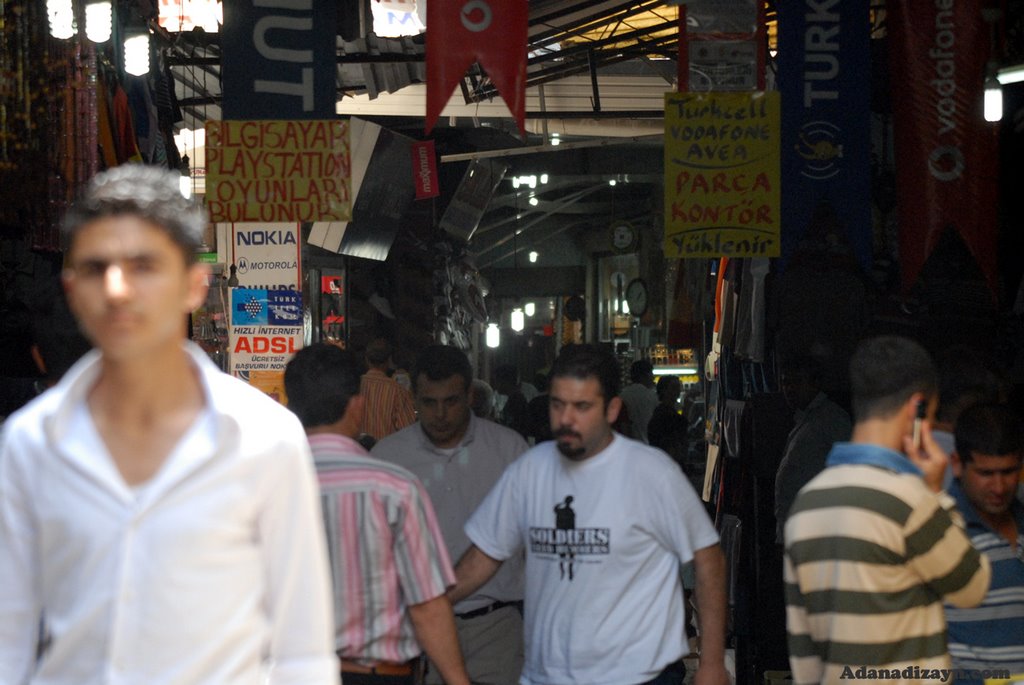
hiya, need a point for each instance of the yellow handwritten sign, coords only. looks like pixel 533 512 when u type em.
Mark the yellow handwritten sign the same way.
pixel 722 175
pixel 278 171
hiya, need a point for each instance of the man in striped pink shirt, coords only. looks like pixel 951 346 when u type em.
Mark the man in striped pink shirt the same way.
pixel 390 567
pixel 389 406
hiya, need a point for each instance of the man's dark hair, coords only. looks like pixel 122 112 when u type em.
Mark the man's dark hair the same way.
pixel 640 371
pixel 441 362
pixel 378 351
pixel 885 371
pixel 319 381
pixel 988 429
pixel 590 361
pixel 669 387
pixel 148 192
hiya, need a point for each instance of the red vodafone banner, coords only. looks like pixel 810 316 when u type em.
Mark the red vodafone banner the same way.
pixel 491 32
pixel 947 159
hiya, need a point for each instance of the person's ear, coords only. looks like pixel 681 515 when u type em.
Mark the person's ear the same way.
pixel 198 285
pixel 612 411
pixel 956 463
pixel 354 412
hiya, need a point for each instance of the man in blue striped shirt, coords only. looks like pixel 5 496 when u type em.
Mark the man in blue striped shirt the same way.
pixel 987 465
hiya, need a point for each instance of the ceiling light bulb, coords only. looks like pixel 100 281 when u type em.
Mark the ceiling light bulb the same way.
pixel 612 182
pixel 136 54
pixel 533 256
pixel 993 100
pixel 62 18
pixel 492 336
pixel 518 322
pixel 98 20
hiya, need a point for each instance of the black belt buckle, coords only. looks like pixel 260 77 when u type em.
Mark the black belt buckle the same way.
pixel 483 611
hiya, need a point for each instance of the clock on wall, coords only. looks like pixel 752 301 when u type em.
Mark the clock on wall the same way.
pixel 637 297
pixel 624 236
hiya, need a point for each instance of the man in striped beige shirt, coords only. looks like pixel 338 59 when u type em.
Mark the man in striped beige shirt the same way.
pixel 389 563
pixel 873 547
pixel 389 406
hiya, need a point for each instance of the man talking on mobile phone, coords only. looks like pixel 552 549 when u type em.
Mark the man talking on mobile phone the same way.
pixel 873 547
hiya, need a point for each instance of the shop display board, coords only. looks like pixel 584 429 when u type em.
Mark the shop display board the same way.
pixel 264 255
pixel 722 175
pixel 266 330
pixel 265 308
pixel 271 171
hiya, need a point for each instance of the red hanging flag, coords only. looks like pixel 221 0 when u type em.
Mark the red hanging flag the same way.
pixel 947 155
pixel 491 32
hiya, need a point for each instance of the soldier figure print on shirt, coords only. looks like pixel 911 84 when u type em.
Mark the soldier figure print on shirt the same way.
pixel 565 519
pixel 565 543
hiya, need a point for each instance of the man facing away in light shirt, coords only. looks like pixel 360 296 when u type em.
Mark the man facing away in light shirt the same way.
pixel 158 517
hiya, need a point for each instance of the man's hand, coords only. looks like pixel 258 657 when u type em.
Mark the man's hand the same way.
pixel 929 457
pixel 473 570
pixel 711 673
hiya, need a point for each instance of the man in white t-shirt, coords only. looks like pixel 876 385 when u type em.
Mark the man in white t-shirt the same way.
pixel 606 523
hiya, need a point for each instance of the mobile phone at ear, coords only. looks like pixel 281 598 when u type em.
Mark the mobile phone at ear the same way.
pixel 920 412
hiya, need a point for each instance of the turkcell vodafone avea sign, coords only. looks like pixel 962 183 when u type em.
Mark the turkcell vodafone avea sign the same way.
pixel 266 255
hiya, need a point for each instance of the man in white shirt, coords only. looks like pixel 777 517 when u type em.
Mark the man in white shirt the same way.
pixel 158 518
pixel 458 457
pixel 606 523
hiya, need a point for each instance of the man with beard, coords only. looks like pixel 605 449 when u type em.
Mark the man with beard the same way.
pixel 618 616
pixel 458 457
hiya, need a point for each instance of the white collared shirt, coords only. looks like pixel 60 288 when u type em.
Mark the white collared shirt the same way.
pixel 214 572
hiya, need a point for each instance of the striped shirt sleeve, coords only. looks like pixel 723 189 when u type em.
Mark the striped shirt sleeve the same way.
pixel 421 556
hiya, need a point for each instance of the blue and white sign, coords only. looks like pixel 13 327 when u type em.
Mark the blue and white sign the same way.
pixel 265 256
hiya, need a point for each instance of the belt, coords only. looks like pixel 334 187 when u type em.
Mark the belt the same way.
pixel 379 668
pixel 483 611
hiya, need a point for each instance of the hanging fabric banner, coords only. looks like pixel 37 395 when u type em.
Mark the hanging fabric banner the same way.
pixel 278 59
pixel 491 32
pixel 947 157
pixel 825 79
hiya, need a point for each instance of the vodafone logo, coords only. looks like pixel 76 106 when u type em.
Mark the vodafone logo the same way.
pixel 476 16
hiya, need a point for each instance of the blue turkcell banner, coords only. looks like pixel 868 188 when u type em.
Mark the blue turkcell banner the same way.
pixel 825 79
pixel 278 59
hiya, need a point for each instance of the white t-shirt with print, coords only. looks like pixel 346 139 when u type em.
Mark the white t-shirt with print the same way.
pixel 604 541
